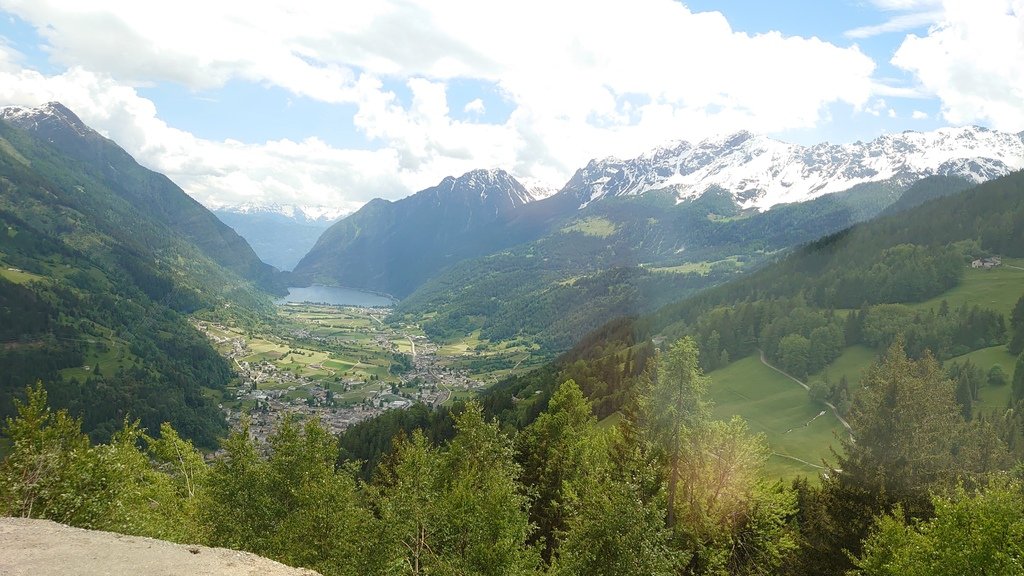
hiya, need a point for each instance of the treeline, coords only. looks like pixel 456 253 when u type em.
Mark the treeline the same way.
pixel 369 441
pixel 667 491
pixel 537 302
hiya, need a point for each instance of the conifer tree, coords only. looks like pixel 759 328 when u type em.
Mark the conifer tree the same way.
pixel 678 408
pixel 556 453
pixel 458 510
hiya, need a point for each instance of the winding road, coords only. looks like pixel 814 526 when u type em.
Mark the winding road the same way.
pixel 835 412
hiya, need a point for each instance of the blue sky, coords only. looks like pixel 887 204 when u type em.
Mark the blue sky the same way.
pixel 339 102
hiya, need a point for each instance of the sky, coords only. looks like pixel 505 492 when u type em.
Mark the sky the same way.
pixel 335 102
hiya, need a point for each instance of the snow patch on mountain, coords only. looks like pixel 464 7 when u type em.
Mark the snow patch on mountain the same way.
pixel 538 188
pixel 29 118
pixel 496 188
pixel 761 172
pixel 298 213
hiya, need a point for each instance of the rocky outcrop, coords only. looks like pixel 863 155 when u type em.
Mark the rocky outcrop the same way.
pixel 32 547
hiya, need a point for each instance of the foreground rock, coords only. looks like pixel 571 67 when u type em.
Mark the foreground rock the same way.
pixel 33 547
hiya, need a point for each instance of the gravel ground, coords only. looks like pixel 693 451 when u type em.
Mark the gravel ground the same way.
pixel 40 547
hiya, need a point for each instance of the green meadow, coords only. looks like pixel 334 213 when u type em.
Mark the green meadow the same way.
pixel 997 289
pixel 990 398
pixel 779 408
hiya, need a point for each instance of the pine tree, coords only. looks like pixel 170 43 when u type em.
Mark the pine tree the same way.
pixel 556 452
pixel 678 409
pixel 1018 379
pixel 911 442
pixel 459 510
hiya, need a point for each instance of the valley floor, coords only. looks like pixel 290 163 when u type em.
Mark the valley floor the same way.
pixel 340 364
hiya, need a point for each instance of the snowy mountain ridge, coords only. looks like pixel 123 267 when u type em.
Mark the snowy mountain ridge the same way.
pixel 761 172
pixel 306 214
pixel 758 171
pixel 28 118
pixel 494 186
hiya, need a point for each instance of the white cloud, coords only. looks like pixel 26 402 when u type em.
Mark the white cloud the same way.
pixel 877 107
pixel 475 106
pixel 216 173
pixel 918 115
pixel 583 79
pixel 899 23
pixel 973 61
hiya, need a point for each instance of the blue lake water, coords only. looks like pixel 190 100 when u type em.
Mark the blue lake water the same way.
pixel 335 295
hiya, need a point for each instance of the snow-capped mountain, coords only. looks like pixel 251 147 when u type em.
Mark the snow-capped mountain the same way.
pixel 495 188
pixel 45 119
pixel 537 188
pixel 301 214
pixel 761 172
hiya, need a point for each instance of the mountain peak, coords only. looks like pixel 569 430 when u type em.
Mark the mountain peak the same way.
pixel 296 212
pixel 482 176
pixel 51 113
pixel 760 172
pixel 494 186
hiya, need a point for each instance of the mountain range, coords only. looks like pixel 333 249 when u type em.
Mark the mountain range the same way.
pixel 729 202
pixel 760 172
pixel 484 252
pixel 279 234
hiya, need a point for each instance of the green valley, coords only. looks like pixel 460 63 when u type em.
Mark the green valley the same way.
pixel 709 357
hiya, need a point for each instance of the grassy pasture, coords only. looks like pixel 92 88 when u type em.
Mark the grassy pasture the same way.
pixel 997 289
pixel 781 409
pixel 597 227
pixel 18 276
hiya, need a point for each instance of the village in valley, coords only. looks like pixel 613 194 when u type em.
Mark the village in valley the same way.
pixel 340 364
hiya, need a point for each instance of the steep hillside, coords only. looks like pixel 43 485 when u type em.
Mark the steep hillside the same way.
pixel 97 270
pixel 393 247
pixel 850 294
pixel 145 192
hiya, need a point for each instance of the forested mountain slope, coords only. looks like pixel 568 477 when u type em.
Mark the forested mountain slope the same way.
pixel 629 256
pixel 393 247
pixel 99 263
pixel 144 191
pixel 851 288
